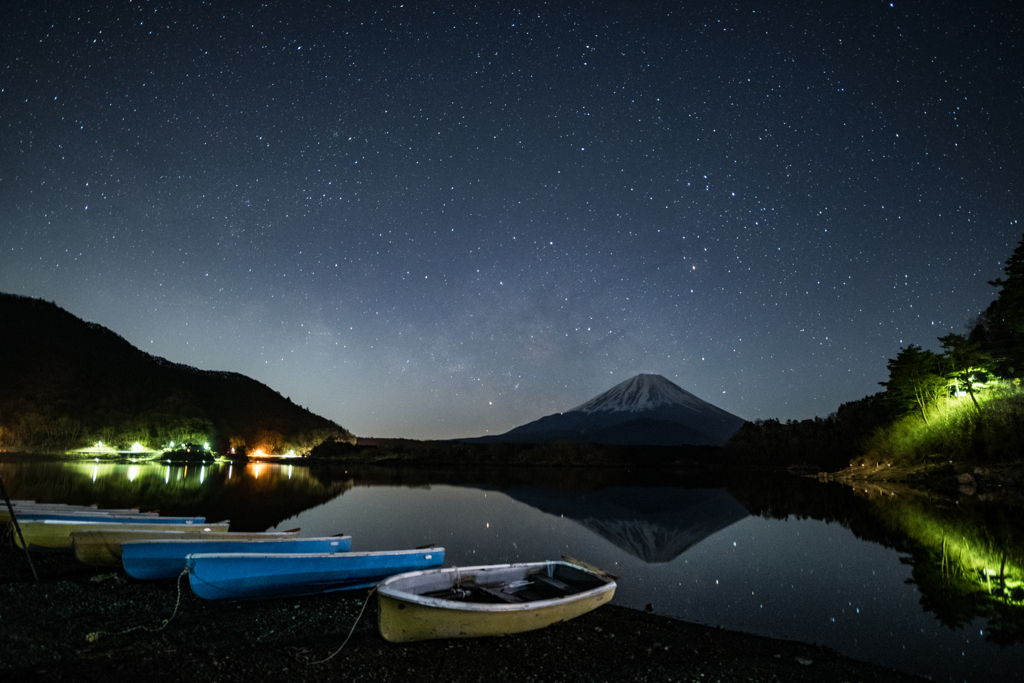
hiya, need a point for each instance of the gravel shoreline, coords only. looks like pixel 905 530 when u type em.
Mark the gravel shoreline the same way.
pixel 80 623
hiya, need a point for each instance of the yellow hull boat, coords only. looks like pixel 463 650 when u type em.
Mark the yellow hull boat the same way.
pixel 56 534
pixel 103 548
pixel 496 600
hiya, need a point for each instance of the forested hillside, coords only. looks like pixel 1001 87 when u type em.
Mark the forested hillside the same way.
pixel 66 383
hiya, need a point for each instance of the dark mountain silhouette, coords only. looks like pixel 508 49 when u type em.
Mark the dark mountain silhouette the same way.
pixel 645 410
pixel 655 524
pixel 66 383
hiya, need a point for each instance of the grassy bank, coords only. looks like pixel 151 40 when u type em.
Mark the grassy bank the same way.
pixel 956 430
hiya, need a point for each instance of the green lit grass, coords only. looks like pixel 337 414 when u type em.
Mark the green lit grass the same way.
pixel 967 561
pixel 957 431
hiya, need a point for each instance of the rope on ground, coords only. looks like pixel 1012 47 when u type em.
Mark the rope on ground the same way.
pixel 96 635
pixel 366 602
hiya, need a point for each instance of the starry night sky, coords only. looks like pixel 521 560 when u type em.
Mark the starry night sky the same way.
pixel 436 220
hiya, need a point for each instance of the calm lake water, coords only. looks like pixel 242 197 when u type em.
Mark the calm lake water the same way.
pixel 783 557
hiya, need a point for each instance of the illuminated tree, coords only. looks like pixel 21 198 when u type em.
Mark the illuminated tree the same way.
pixel 967 362
pixel 268 440
pixel 915 379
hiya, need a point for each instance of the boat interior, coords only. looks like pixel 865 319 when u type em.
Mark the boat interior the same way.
pixel 543 583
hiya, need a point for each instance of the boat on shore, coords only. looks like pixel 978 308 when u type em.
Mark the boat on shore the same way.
pixel 167 558
pixel 22 508
pixel 80 517
pixel 494 600
pixel 102 548
pixel 55 534
pixel 246 576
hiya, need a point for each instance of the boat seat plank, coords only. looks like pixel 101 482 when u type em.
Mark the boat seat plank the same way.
pixel 546 580
pixel 504 597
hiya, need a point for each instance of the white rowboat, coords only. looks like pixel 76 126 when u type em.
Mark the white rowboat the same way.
pixel 495 600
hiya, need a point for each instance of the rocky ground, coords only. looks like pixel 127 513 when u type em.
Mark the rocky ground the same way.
pixel 79 623
pixel 999 483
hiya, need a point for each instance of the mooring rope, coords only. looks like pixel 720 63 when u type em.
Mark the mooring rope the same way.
pixel 198 579
pixel 366 602
pixel 95 635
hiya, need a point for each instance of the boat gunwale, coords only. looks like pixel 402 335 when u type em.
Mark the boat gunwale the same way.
pixel 385 590
pixel 172 534
pixel 148 521
pixel 292 556
pixel 280 536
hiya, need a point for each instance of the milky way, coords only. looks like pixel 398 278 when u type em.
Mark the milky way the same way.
pixel 437 220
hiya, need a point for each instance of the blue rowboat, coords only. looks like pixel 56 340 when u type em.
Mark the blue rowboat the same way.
pixel 243 576
pixel 165 559
pixel 106 518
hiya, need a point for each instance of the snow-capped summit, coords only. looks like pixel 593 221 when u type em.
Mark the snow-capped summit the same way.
pixel 645 410
pixel 641 393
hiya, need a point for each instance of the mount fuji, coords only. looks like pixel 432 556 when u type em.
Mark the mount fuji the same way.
pixel 647 410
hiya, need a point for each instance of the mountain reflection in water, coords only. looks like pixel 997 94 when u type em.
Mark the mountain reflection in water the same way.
pixel 654 525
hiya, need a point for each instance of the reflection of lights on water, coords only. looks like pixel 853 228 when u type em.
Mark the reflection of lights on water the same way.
pixel 95 470
pixel 133 472
pixel 167 476
pixel 289 471
pixel 230 469
pixel 260 453
pixel 202 475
